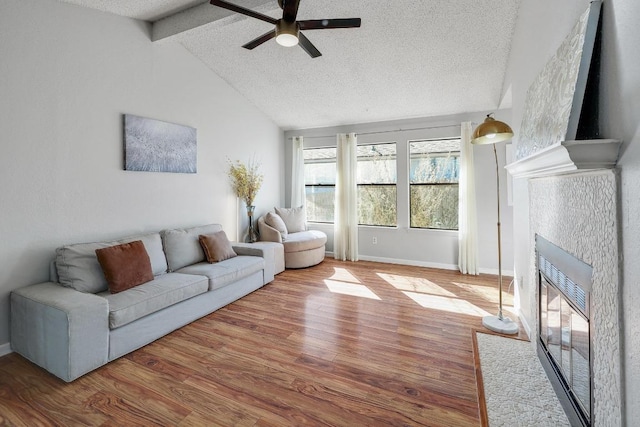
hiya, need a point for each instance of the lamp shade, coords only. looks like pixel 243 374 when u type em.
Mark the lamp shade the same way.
pixel 491 131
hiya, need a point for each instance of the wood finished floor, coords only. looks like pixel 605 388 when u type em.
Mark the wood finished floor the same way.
pixel 343 344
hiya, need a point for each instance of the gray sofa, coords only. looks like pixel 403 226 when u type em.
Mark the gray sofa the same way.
pixel 73 325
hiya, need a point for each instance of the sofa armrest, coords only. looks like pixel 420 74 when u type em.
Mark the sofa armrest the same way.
pixel 273 254
pixel 60 329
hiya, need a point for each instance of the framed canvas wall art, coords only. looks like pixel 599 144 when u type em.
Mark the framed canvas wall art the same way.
pixel 155 146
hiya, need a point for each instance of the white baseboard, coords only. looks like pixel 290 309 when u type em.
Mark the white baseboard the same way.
pixel 409 262
pixel 427 264
pixel 5 349
pixel 525 325
pixel 494 271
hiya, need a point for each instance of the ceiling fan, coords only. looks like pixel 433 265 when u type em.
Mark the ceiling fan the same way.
pixel 287 30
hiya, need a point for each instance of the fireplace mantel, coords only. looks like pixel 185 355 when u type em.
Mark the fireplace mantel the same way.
pixel 567 156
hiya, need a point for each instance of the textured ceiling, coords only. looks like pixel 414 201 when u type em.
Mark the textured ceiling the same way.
pixel 410 58
pixel 146 10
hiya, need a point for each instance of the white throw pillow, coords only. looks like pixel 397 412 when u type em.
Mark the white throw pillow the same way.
pixel 275 221
pixel 295 219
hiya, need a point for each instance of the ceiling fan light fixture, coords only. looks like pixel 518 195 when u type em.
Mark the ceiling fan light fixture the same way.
pixel 287 29
pixel 287 33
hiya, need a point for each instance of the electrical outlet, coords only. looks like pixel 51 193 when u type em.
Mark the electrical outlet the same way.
pixel 375 241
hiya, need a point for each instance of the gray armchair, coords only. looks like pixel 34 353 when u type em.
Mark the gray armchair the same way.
pixel 301 248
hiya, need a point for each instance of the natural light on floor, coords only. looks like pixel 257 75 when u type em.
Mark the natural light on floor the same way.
pixel 343 275
pixel 432 296
pixel 453 305
pixel 487 292
pixel 350 289
pixel 415 284
pixel 343 282
pixel 422 291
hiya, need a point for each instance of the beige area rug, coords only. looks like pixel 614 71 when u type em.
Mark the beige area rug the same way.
pixel 513 385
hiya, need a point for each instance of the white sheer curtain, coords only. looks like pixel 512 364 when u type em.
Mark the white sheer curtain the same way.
pixel 345 239
pixel 297 173
pixel 467 220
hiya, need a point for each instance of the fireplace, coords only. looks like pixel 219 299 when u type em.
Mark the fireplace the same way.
pixel 564 331
pixel 571 184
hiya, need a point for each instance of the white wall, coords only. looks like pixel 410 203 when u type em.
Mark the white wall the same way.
pixel 541 27
pixel 620 112
pixel 67 74
pixel 436 248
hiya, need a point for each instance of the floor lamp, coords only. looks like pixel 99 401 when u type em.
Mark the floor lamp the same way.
pixel 493 131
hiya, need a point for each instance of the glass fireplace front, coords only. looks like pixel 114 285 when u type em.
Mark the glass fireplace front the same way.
pixel 564 329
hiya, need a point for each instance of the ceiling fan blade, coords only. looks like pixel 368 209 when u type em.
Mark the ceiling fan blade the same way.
pixel 290 10
pixel 243 11
pixel 307 46
pixel 321 24
pixel 263 38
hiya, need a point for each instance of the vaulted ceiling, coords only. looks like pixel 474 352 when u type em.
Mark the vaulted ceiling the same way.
pixel 410 58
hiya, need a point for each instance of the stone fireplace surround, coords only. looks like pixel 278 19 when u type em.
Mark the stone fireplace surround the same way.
pixel 575 207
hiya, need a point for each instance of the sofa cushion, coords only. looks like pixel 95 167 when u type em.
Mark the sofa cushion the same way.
pixel 216 247
pixel 228 271
pixel 163 291
pixel 182 246
pixel 78 268
pixel 125 265
pixel 304 241
pixel 294 218
pixel 275 221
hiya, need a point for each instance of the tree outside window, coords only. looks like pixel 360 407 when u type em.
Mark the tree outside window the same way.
pixel 433 184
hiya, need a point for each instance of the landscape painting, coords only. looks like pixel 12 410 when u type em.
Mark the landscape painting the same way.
pixel 156 146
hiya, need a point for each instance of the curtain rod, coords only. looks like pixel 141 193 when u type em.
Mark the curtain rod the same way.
pixel 384 131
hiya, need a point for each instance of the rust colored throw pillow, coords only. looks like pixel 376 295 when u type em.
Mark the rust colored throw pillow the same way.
pixel 125 266
pixel 216 246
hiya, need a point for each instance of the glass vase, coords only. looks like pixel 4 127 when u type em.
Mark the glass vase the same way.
pixel 252 233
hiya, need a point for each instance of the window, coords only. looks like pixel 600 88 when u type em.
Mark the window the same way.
pixel 376 175
pixel 377 190
pixel 433 183
pixel 320 183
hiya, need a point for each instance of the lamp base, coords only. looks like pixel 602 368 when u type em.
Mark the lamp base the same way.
pixel 503 326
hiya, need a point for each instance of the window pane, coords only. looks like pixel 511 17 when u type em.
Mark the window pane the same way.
pixel 431 146
pixel 320 179
pixel 434 206
pixel 319 154
pixel 319 173
pixel 436 165
pixel 377 205
pixel 434 161
pixel 377 177
pixel 377 163
pixel 435 169
pixel 378 171
pixel 320 203
pixel 319 166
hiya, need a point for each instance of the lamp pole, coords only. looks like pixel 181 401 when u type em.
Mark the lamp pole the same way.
pixel 495 154
pixel 491 132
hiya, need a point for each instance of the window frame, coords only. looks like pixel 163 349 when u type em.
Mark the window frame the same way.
pixel 411 184
pixel 321 185
pixel 380 184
